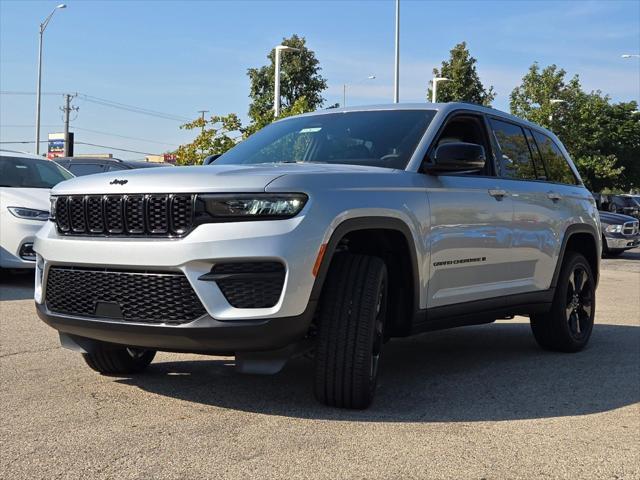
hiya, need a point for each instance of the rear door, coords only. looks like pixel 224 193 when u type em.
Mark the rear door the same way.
pixel 471 218
pixel 535 238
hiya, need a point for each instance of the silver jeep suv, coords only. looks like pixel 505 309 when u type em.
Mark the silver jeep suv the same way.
pixel 328 232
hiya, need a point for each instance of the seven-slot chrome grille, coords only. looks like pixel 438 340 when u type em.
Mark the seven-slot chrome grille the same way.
pixel 164 215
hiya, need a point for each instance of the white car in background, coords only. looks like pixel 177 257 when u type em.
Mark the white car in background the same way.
pixel 25 182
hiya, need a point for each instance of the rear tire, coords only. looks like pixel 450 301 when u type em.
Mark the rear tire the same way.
pixel 568 325
pixel 110 360
pixel 351 331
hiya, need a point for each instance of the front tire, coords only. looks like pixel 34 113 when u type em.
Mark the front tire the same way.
pixel 351 331
pixel 568 325
pixel 112 360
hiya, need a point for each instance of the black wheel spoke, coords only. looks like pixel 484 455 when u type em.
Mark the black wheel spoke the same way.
pixel 572 283
pixel 582 282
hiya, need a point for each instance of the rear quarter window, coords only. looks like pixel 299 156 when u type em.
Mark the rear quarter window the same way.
pixel 558 169
pixel 80 169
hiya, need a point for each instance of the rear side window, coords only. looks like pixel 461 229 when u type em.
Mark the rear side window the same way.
pixel 516 161
pixel 558 169
pixel 114 168
pixel 80 169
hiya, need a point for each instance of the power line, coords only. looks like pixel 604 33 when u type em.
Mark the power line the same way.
pixel 123 136
pixel 132 108
pixel 114 148
pixel 28 126
pixel 112 104
pixel 98 132
pixel 10 92
pixel 25 142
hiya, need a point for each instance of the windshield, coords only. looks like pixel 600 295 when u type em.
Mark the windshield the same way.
pixel 30 173
pixel 384 138
pixel 626 202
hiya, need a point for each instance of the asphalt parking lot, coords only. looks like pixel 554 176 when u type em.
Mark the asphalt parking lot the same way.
pixel 475 403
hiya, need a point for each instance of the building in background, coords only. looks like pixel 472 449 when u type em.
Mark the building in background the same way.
pixel 165 158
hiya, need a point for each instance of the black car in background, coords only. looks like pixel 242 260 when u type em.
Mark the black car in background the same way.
pixel 624 204
pixel 80 166
pixel 619 233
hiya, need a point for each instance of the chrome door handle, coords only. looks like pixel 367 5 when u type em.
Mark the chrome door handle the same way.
pixel 498 194
pixel 554 196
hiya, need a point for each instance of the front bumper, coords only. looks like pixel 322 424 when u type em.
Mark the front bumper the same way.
pixel 622 242
pixel 224 328
pixel 204 335
pixel 16 237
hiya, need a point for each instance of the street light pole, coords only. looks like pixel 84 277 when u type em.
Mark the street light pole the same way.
pixel 434 89
pixel 396 76
pixel 43 27
pixel 276 93
pixel 344 88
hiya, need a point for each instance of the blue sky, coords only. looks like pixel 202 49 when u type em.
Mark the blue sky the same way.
pixel 181 57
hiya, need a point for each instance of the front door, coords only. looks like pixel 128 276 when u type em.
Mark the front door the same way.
pixel 471 221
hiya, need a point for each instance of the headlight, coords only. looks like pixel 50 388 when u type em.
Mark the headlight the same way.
pixel 241 207
pixel 613 228
pixel 29 213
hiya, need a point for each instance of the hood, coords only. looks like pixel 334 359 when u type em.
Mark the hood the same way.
pixel 210 178
pixel 37 198
pixel 615 218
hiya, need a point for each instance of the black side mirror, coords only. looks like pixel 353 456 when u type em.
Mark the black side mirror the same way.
pixel 211 158
pixel 457 157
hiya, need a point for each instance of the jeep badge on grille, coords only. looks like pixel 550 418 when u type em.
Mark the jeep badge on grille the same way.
pixel 115 181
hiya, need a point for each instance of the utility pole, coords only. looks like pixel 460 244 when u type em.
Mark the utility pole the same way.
pixel 202 112
pixel 67 109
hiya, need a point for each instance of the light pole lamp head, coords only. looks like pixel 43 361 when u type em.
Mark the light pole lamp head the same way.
pixel 285 48
pixel 62 5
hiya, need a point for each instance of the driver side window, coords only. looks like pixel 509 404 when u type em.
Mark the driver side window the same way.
pixel 467 129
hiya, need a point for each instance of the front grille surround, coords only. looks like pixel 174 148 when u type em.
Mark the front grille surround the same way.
pixel 630 228
pixel 130 215
pixel 143 296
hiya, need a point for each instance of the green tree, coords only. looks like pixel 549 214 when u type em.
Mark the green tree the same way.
pixel 261 120
pixel 217 135
pixel 300 77
pixel 602 138
pixel 464 84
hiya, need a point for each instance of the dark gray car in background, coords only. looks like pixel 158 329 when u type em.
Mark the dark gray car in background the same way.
pixel 81 166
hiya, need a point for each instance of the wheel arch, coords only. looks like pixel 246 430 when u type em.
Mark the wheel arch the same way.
pixel 385 237
pixel 581 238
